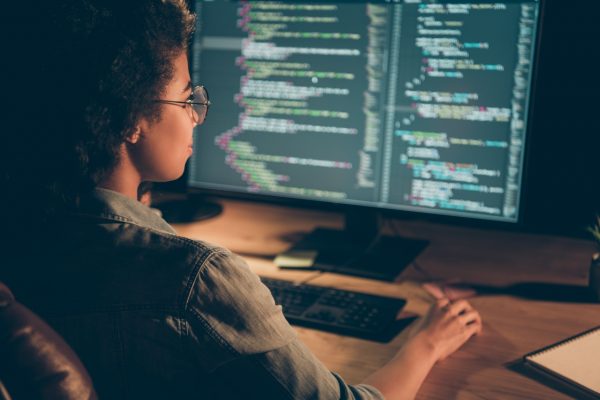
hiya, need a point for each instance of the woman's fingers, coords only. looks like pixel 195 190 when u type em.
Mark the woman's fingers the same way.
pixel 443 303
pixel 470 317
pixel 459 307
pixel 474 328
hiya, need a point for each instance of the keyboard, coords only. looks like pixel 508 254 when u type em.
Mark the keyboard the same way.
pixel 340 311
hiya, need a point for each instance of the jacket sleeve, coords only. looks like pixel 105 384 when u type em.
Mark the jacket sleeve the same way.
pixel 238 333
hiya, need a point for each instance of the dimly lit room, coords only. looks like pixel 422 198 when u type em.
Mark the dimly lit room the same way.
pixel 361 199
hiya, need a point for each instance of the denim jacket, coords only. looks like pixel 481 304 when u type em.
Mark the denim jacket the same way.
pixel 155 315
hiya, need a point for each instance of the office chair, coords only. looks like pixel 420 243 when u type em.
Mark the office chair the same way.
pixel 35 362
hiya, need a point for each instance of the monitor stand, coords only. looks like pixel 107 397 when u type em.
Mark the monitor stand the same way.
pixel 360 249
pixel 188 209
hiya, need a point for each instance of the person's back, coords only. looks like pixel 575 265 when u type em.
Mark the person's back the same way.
pixel 114 289
pixel 155 315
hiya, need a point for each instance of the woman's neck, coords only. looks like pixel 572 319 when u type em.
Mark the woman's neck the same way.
pixel 124 179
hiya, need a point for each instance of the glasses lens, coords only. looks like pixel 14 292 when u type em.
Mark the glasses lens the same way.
pixel 200 110
pixel 200 94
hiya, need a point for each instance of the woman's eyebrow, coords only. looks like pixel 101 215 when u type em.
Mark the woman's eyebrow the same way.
pixel 187 87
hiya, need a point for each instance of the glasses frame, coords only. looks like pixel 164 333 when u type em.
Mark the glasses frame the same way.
pixel 197 116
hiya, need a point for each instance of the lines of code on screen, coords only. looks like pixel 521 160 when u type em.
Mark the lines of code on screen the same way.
pixel 412 105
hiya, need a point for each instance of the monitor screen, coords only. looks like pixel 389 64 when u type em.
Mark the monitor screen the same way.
pixel 410 105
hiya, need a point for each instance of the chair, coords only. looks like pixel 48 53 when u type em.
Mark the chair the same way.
pixel 35 362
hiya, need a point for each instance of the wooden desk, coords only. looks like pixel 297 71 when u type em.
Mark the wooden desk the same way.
pixel 513 326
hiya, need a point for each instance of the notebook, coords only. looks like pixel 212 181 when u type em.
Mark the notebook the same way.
pixel 575 360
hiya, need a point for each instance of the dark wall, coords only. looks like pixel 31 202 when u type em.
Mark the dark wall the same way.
pixel 564 181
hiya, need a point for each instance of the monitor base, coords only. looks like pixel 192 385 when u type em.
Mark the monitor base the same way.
pixel 381 257
pixel 188 210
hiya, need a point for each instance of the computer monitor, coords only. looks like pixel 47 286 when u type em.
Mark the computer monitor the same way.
pixel 409 106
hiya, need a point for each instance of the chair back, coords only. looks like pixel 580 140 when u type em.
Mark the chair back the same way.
pixel 35 362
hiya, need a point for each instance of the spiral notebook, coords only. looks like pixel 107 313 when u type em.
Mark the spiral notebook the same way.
pixel 575 360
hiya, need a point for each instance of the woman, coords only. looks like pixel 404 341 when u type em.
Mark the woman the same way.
pixel 150 313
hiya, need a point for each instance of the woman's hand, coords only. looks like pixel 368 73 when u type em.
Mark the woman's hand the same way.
pixel 446 327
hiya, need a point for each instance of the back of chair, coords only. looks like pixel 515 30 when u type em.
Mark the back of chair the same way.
pixel 35 362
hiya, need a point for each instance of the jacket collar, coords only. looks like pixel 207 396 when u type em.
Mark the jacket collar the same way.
pixel 110 205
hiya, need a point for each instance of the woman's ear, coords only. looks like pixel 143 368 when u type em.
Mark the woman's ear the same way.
pixel 134 137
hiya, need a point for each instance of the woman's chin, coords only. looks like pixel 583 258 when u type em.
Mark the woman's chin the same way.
pixel 168 177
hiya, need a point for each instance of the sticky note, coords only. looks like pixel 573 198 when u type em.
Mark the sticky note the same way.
pixel 296 259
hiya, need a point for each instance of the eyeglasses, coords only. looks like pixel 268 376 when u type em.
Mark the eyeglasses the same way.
pixel 198 103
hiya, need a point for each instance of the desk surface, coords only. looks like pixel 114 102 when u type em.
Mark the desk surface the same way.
pixel 513 325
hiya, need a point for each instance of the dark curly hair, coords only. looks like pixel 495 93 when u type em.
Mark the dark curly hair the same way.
pixel 95 66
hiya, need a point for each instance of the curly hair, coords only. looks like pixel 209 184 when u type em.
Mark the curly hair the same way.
pixel 100 64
